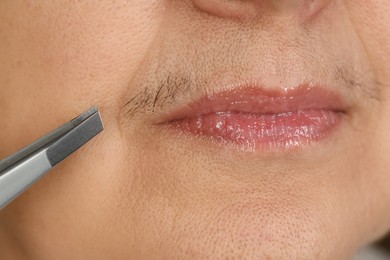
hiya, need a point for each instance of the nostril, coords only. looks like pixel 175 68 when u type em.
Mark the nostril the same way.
pixel 301 9
pixel 227 8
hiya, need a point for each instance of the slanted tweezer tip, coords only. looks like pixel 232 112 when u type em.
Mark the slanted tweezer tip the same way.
pixel 62 141
pixel 88 128
pixel 85 115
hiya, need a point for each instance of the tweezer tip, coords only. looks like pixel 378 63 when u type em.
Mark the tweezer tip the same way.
pixel 76 121
pixel 89 125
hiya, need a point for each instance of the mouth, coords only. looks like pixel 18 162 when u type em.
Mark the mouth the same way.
pixel 259 119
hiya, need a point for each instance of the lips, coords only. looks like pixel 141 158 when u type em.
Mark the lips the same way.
pixel 256 118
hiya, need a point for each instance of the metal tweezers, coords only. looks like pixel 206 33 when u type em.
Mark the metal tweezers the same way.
pixel 22 169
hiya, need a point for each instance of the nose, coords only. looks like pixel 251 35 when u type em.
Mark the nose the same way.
pixel 302 9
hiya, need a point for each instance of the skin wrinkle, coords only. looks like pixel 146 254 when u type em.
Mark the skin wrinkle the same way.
pixel 377 81
pixel 378 95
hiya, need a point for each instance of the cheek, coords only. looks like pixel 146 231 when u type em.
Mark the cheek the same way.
pixel 372 19
pixel 71 56
pixel 88 44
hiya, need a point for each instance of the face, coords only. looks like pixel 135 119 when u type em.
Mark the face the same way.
pixel 233 129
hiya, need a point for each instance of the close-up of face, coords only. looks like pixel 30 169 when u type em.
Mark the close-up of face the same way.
pixel 233 129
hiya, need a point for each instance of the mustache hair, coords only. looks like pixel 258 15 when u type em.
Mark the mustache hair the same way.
pixel 150 99
pixel 153 98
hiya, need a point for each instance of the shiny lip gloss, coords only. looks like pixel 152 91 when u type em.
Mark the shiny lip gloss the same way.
pixel 256 118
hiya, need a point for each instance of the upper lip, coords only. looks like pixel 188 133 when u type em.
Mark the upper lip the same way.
pixel 257 100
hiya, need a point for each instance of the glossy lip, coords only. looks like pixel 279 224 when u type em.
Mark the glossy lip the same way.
pixel 256 118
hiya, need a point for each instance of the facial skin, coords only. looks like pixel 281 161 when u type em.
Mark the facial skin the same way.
pixel 141 191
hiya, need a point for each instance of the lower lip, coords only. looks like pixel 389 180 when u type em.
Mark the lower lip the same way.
pixel 257 119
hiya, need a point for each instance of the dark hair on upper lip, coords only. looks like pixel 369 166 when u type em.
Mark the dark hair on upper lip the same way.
pixel 149 99
pixel 354 83
pixel 152 98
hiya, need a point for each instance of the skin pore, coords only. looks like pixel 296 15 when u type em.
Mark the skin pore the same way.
pixel 142 191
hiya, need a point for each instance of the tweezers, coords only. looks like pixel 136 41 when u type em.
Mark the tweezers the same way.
pixel 22 169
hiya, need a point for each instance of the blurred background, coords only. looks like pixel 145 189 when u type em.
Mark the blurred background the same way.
pixel 385 243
